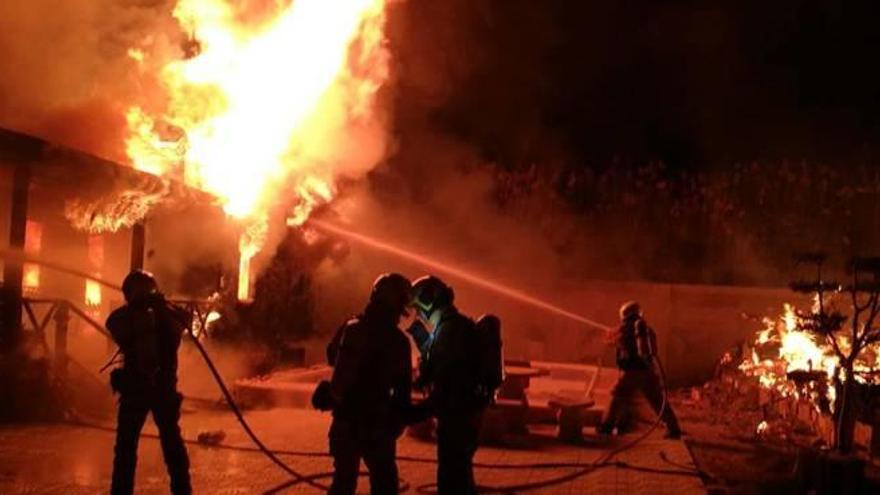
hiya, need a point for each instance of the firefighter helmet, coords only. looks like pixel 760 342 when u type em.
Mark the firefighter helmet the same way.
pixel 629 310
pixel 430 293
pixel 392 290
pixel 138 285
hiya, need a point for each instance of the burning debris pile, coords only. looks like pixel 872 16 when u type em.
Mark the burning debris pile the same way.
pixel 792 377
pixel 812 375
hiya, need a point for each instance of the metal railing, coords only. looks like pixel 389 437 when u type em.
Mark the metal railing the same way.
pixel 201 310
pixel 41 312
pixel 60 312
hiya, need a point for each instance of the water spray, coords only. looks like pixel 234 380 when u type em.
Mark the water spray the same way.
pixel 470 277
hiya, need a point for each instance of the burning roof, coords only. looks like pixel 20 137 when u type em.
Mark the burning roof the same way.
pixel 96 195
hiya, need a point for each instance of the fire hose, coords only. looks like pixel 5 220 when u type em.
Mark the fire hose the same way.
pixel 583 469
pixel 244 424
pixel 299 478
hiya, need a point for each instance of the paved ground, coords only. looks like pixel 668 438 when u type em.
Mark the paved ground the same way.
pixel 76 459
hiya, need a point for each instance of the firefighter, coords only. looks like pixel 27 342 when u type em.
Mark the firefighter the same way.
pixel 636 345
pixel 369 392
pixel 449 371
pixel 147 330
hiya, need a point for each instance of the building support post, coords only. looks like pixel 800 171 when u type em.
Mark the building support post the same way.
pixel 62 321
pixel 10 321
pixel 138 245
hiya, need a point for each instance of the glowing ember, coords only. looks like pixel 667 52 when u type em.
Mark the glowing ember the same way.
pixel 93 294
pixel 267 112
pixel 113 212
pixel 763 428
pixel 32 245
pixel 198 329
pixel 136 55
pixel 249 245
pixel 246 254
pixel 31 277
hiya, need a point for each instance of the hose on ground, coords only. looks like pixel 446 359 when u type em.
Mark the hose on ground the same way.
pixel 244 424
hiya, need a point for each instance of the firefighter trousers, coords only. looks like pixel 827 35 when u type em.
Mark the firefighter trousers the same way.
pixel 133 409
pixel 631 383
pixel 349 443
pixel 457 437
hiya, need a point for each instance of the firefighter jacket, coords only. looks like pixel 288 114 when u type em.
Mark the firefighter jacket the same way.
pixel 450 367
pixel 372 370
pixel 148 335
pixel 636 345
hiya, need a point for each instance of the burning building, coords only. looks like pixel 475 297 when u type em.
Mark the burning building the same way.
pixel 243 127
pixel 76 222
pixel 264 109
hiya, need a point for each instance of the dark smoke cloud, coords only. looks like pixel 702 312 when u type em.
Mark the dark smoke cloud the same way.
pixel 674 134
pixel 694 84
pixel 545 144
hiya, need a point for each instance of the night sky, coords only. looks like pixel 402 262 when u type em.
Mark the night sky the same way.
pixel 695 84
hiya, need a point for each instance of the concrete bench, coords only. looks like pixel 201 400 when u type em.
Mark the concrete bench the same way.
pixel 571 416
pixel 506 416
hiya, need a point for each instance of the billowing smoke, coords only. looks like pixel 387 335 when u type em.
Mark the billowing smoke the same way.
pixel 68 75
pixel 538 145
pixel 531 141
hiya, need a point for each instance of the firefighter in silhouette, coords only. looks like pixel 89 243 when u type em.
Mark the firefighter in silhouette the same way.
pixel 369 392
pixel 147 330
pixel 636 346
pixel 450 369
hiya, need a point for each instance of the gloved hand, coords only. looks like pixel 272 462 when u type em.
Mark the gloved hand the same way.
pixel 156 299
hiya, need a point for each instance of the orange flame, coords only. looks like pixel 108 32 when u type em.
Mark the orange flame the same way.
pixel 93 294
pixel 265 109
pixel 116 211
pixel 211 317
pixel 797 351
pixel 32 245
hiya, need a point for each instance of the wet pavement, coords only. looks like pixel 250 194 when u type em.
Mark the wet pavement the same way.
pixel 76 459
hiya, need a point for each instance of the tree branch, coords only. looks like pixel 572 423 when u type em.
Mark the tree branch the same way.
pixel 868 327
pixel 833 339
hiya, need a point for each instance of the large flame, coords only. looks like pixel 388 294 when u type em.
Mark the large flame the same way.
pixel 265 109
pixel 794 350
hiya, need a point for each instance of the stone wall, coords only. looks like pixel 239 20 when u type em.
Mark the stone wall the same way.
pixel 695 324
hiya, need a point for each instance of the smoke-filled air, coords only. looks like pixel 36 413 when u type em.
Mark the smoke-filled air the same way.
pixel 484 246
